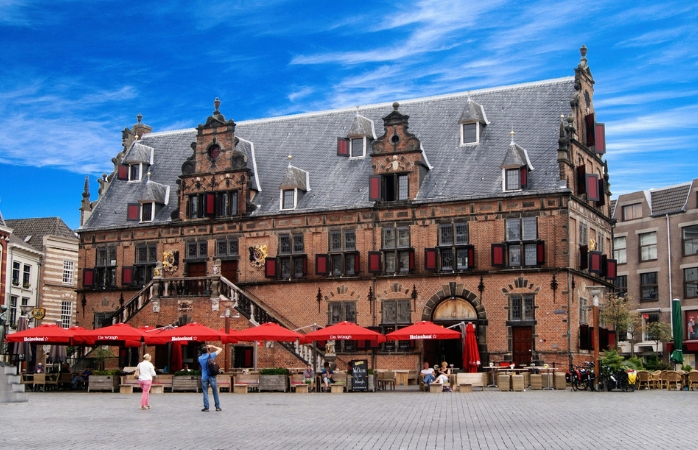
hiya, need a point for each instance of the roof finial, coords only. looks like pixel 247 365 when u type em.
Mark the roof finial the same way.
pixel 357 111
pixel 289 157
pixel 583 51
pixel 512 133
pixel 139 117
pixel 217 104
pixel 148 176
pixel 396 105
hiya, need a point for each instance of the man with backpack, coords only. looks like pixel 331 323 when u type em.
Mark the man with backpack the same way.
pixel 209 370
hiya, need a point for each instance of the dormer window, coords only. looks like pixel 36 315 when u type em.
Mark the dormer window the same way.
pixel 512 179
pixel 389 187
pixel 358 147
pixel 147 212
pixel 288 199
pixel 470 133
pixel 134 172
pixel 515 167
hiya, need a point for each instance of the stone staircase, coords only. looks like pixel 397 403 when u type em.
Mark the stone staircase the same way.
pixel 11 387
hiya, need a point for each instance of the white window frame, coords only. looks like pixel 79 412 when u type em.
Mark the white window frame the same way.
pixel 649 248
pixel 620 254
pixel 152 211
pixel 363 147
pixel 140 172
pixel 281 199
pixel 68 272
pixel 462 134
pixel 66 314
pixel 505 180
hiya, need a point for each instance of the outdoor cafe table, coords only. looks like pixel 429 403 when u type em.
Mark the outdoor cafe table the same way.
pixel 549 371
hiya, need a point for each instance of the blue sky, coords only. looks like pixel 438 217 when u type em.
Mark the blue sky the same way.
pixel 75 73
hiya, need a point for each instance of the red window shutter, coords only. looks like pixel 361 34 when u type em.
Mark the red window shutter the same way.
pixel 374 262
pixel 540 252
pixel 471 257
pixel 591 129
pixel 498 254
pixel 581 180
pixel 592 187
pixel 524 176
pixel 133 211
pixel 305 264
pixel 411 260
pixel 374 188
pixel 430 259
pixel 88 277
pixel 611 269
pixel 321 264
pixel 583 257
pixel 270 268
pixel 210 204
pixel 127 275
pixel 595 262
pixel 602 193
pixel 342 147
pixel 600 138
pixel 122 173
pixel 357 263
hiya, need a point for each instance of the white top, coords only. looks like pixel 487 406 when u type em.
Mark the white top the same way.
pixel 147 371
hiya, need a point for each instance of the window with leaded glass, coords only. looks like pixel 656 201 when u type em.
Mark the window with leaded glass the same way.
pixel 146 259
pixel 583 311
pixel 147 212
pixel 469 132
pixel 288 199
pixel 399 257
pixel 341 312
pixel 105 267
pixel 522 247
pixel 292 260
pixel 454 251
pixel 343 260
pixel 521 307
pixel 227 247
pixel 396 312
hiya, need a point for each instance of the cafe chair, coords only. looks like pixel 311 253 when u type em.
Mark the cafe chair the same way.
pixel 643 379
pixel 692 379
pixel 673 380
pixel 39 381
pixel 386 380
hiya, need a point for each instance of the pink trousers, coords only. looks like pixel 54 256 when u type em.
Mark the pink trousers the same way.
pixel 145 396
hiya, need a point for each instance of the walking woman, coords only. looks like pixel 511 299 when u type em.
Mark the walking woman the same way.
pixel 145 379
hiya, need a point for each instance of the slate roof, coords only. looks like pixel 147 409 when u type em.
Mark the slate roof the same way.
pixel 455 172
pixel 38 228
pixel 669 200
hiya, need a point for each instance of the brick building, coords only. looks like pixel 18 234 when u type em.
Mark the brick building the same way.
pixel 486 207
pixel 656 247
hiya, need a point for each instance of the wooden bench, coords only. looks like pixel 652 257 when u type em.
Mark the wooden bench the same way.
pixel 297 383
pixel 473 379
pixel 128 383
pixel 223 382
pixel 250 381
pixel 300 388
pixel 157 388
pixel 125 389
pixel 165 379
pixel 436 387
pixel 240 388
pixel 337 388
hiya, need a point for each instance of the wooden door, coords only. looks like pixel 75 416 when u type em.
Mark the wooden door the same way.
pixel 229 270
pixel 522 345
pixel 196 269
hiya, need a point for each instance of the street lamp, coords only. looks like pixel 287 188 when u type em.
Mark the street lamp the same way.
pixel 596 292
pixel 228 315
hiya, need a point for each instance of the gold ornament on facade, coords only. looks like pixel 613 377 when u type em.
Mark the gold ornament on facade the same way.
pixel 168 262
pixel 592 245
pixel 258 254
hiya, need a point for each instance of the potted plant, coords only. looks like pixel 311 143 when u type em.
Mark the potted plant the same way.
pixel 273 379
pixel 103 380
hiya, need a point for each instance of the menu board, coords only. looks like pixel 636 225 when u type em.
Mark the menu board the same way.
pixel 359 374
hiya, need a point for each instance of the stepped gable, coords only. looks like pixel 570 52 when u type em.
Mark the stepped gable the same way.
pixel 338 183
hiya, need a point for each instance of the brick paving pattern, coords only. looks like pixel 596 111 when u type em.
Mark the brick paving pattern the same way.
pixel 402 419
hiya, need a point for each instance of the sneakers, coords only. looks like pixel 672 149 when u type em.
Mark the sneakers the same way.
pixel 147 406
pixel 204 410
pixel 143 407
pixel 218 409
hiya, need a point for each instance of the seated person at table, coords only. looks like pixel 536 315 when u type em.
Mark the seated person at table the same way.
pixel 309 376
pixel 39 368
pixel 427 375
pixel 327 376
pixel 84 376
pixel 186 368
pixel 65 368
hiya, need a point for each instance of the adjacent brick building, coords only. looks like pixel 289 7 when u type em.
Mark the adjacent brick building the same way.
pixel 486 207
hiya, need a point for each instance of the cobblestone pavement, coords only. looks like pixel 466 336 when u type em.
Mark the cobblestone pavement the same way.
pixel 402 419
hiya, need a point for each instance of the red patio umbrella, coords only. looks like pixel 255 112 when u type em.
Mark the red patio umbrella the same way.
pixel 423 330
pixel 471 354
pixel 268 332
pixel 191 332
pixel 344 331
pixel 176 357
pixel 43 334
pixel 117 334
pixel 228 338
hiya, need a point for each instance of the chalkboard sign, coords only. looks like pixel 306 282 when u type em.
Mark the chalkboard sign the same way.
pixel 359 374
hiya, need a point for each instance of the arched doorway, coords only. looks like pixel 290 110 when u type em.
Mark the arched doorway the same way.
pixel 451 306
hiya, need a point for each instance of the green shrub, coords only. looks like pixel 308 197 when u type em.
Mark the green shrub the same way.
pixel 277 371
pixel 183 373
pixel 107 372
pixel 687 367
pixel 634 363
pixel 653 363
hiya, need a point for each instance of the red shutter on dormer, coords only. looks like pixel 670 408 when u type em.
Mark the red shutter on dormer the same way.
pixel 540 252
pixel 210 204
pixel 374 262
pixel 583 257
pixel 600 137
pixel 591 129
pixel 592 187
pixel 471 257
pixel 88 277
pixel 133 211
pixel 498 254
pixel 602 193
pixel 374 188
pixel 122 174
pixel 611 269
pixel 430 259
pixel 411 260
pixel 357 263
pixel 595 262
pixel 270 268
pixel 524 176
pixel 342 147
pixel 581 180
pixel 321 264
pixel 126 275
